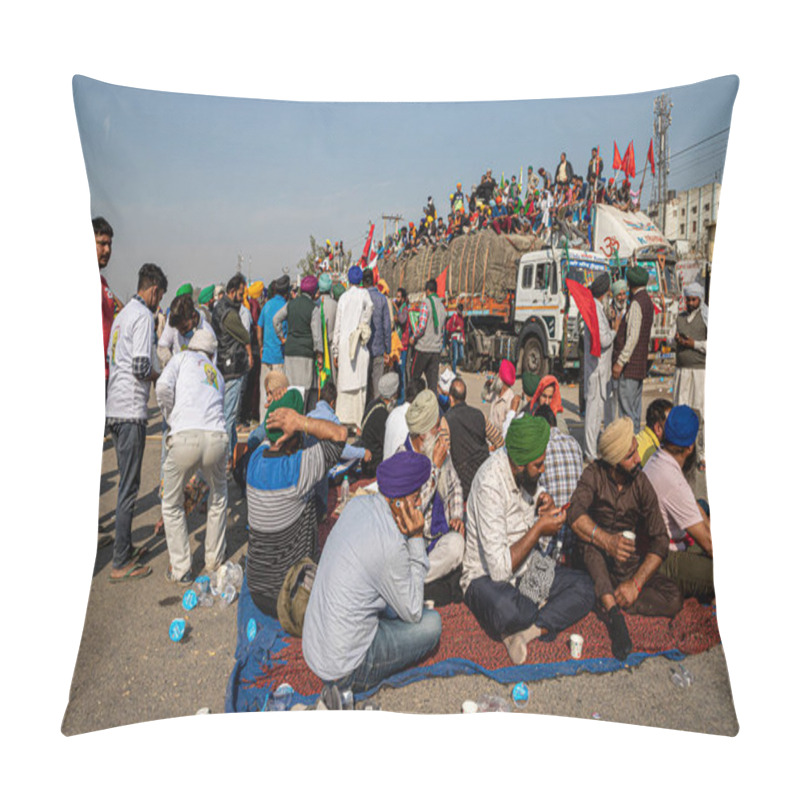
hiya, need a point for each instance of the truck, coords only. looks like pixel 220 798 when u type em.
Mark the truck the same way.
pixel 533 324
pixel 628 238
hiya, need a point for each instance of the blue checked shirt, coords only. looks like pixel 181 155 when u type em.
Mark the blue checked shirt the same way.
pixel 563 465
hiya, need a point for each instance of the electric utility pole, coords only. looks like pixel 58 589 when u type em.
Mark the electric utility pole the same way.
pixel 662 106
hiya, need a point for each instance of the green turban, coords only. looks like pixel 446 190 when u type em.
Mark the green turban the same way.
pixel 185 289
pixel 325 282
pixel 527 439
pixel 206 295
pixel 337 291
pixel 291 399
pixel 530 380
pixel 619 286
pixel 637 276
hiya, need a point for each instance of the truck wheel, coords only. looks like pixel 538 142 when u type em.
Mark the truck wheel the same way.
pixel 533 359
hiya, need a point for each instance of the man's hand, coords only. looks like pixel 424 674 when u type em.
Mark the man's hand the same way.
pixel 288 420
pixel 367 456
pixel 440 451
pixel 626 594
pixel 457 525
pixel 545 504
pixel 407 516
pixel 616 371
pixel 336 362
pixel 319 360
pixel 250 359
pixel 386 360
pixel 550 524
pixel 621 549
pixel 516 400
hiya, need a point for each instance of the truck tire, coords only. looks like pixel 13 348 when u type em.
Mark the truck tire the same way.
pixel 533 359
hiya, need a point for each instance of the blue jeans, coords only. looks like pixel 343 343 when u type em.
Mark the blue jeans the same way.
pixel 396 645
pixel 630 401
pixel 456 352
pixel 129 439
pixel 502 610
pixel 230 407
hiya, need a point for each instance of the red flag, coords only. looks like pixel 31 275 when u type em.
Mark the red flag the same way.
pixel 629 162
pixel 441 282
pixel 650 158
pixel 364 261
pixel 584 300
pixel 617 160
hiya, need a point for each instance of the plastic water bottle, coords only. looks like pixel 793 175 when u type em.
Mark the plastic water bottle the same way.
pixel 520 695
pixel 345 494
pixel 281 698
pixel 234 574
pixel 252 629
pixel 228 594
pixel 189 599
pixel 176 629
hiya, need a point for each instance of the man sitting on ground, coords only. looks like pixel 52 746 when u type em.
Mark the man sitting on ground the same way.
pixel 373 426
pixel 507 515
pixel 365 619
pixel 649 439
pixel 689 561
pixel 442 500
pixel 281 507
pixel 613 496
pixel 472 437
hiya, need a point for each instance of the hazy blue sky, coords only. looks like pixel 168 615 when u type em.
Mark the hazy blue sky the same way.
pixel 190 181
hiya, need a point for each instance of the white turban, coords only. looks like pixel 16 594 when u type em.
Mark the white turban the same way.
pixel 696 290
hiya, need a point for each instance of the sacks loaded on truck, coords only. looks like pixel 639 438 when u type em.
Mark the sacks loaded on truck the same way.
pixel 513 292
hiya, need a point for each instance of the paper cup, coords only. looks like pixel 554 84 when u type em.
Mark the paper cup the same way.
pixel 575 645
pixel 430 604
pixel 469 707
pixel 630 536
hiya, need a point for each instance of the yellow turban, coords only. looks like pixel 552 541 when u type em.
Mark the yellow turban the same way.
pixel 615 441
pixel 256 289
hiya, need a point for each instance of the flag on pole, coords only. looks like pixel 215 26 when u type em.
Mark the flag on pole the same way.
pixel 364 255
pixel 629 162
pixel 441 282
pixel 650 159
pixel 617 160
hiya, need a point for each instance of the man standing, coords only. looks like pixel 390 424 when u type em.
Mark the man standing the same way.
pixel 130 352
pixel 428 337
pixel 690 358
pixel 612 497
pixel 442 499
pixel 631 346
pixel 190 393
pixel 350 352
pixel 596 369
pixel 504 400
pixel 563 173
pixel 507 516
pixel 103 234
pixel 234 354
pixel 327 311
pixel 594 171
pixel 689 561
pixel 300 343
pixel 365 619
pixel 403 324
pixel 380 342
pixel 269 342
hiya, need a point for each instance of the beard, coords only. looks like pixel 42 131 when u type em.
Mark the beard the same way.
pixel 691 459
pixel 428 443
pixel 524 481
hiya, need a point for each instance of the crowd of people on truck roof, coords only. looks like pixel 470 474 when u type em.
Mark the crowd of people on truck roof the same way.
pixel 507 512
pixel 530 205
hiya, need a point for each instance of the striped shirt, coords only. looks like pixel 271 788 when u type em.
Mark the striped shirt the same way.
pixel 281 512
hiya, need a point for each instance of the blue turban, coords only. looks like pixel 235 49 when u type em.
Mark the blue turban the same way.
pixel 403 473
pixel 355 275
pixel 681 426
pixel 325 282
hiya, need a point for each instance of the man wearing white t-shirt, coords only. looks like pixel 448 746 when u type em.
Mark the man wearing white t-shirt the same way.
pixel 689 561
pixel 191 393
pixel 130 359
pixel 184 320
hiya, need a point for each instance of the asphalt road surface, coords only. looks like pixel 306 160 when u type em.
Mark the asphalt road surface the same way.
pixel 129 671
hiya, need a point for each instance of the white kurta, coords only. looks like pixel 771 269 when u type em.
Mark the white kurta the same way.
pixel 353 312
pixel 596 377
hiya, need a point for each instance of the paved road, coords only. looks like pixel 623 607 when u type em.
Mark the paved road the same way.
pixel 129 671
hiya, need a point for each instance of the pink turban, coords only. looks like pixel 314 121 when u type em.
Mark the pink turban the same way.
pixel 507 373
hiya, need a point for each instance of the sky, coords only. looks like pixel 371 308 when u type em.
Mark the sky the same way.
pixel 192 182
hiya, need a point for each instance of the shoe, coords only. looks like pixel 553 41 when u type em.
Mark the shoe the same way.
pixel 330 697
pixel 621 645
pixel 185 579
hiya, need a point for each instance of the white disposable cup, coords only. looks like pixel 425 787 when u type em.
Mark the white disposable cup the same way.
pixel 430 604
pixel 469 707
pixel 629 535
pixel 575 645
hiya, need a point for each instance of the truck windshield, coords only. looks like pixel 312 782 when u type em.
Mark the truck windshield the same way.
pixel 652 275
pixel 582 272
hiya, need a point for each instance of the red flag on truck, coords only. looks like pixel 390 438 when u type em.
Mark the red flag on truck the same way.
pixel 617 160
pixel 584 300
pixel 650 159
pixel 629 162
pixel 441 282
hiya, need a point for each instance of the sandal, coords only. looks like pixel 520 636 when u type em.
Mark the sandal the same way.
pixel 134 572
pixel 139 552
pixel 158 530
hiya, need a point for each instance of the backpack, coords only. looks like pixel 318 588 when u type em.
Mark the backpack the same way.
pixel 294 594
